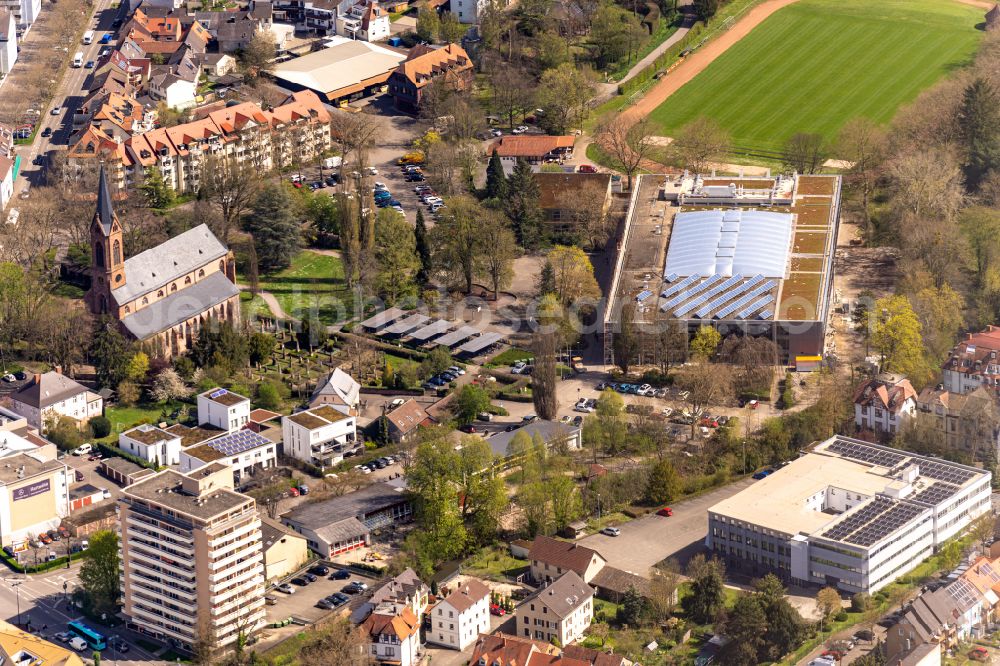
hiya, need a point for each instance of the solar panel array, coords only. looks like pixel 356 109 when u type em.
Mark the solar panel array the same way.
pixel 730 295
pixel 935 493
pixel 683 284
pixel 885 524
pixel 380 319
pixel 643 295
pixel 746 312
pixel 455 337
pixel 218 393
pixel 765 315
pixel 852 523
pixel 476 345
pixel 945 472
pixel 406 325
pixel 671 278
pixel 866 454
pixel 693 291
pixel 436 327
pixel 963 592
pixel 714 291
pixel 238 442
pixel 743 300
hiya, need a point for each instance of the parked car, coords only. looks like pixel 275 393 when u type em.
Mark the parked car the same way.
pixel 379 185
pixel 611 531
pixel 512 427
pixel 325 604
pixel 303 489
pixel 300 581
pixel 469 428
pixel 586 168
pixel 762 474
pixel 864 635
pixel 8 377
pixel 497 610
pixel 286 588
pixel 352 588
pixel 293 492
pixel 371 171
pixel 979 653
pixel 666 512
pixel 320 570
pixel 119 645
pixel 339 598
pixel 581 405
pixel 340 574
pixel 47 132
pixel 457 370
pixel 577 421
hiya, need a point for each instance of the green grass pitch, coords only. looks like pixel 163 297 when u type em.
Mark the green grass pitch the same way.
pixel 814 65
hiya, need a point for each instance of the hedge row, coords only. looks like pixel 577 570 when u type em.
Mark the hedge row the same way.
pixel 58 563
pixel 109 450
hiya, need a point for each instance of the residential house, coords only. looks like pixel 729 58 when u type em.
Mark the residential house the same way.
pixel 561 611
pixel 551 558
pixel 406 588
pixel 223 409
pixel 973 362
pixel 151 444
pixel 393 633
pixel 176 83
pixel 447 65
pixel 362 19
pixel 969 423
pixel 25 13
pixel 8 41
pixel 218 64
pixel 154 34
pixel 284 550
pixel 556 435
pixel 533 148
pixel 338 390
pixel 500 648
pixel 19 647
pixel 884 404
pixel 402 422
pixel 311 16
pixel 469 11
pixel 245 452
pixel 458 619
pixel 52 395
pixel 561 196
pixel 321 436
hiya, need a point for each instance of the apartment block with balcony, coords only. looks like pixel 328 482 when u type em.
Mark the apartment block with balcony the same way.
pixel 320 436
pixel 192 561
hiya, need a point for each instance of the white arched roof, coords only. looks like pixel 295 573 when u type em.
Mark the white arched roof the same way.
pixel 729 242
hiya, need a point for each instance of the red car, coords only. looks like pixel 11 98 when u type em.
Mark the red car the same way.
pixel 666 512
pixel 979 654
pixel 468 428
pixel 496 610
pixel 293 492
pixel 297 185
pixel 586 168
pixel 836 655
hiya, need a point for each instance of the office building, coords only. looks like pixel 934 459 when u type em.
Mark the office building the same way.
pixel 192 563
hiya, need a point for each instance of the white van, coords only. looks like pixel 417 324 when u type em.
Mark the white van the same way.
pixel 82 450
pixel 333 162
pixel 78 644
pixel 78 59
pixel 88 37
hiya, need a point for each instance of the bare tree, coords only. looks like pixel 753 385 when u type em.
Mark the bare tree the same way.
pixel 586 208
pixel 805 152
pixel 707 384
pixel 356 134
pixel 230 187
pixel 926 181
pixel 512 92
pixel 628 142
pixel 864 144
pixel 699 143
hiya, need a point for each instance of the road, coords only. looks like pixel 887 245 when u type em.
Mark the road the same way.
pixel 646 541
pixel 69 96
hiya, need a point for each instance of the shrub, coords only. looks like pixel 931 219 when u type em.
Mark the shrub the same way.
pixel 841 616
pixel 268 396
pixel 860 602
pixel 100 426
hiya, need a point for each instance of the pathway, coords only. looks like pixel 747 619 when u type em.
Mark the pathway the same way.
pixel 686 24
pixel 271 302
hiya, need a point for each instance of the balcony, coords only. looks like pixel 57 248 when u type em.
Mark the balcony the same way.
pixel 161 568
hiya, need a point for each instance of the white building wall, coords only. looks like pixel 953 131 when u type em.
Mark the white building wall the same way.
pixel 162 453
pixel 228 418
pixel 8 53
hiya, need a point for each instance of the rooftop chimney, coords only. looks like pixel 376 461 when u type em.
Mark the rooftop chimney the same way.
pixel 38 378
pixel 58 369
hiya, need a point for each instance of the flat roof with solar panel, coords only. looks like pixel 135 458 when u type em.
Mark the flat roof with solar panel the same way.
pixel 757 265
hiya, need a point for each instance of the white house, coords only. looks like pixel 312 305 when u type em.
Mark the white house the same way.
pixel 364 20
pixel 25 11
pixel 562 610
pixel 176 92
pixel 340 391
pixel 245 451
pixel 319 436
pixel 151 444
pixel 393 632
pixel 461 616
pixel 52 395
pixel 468 11
pixel 8 41
pixel 223 409
pixel 884 404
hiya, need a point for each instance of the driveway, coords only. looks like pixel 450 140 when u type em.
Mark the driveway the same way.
pixel 646 541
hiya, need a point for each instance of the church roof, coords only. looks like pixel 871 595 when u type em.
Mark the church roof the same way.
pixel 105 211
pixel 180 306
pixel 159 266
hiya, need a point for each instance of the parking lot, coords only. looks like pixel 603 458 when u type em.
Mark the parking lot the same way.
pixel 301 604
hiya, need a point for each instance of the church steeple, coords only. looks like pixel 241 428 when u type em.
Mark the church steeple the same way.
pixel 106 251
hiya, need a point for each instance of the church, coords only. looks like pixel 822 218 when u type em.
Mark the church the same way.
pixel 163 296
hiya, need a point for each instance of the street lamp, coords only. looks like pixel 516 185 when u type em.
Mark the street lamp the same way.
pixel 17 593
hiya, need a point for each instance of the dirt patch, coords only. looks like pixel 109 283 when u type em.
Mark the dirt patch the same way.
pixel 813 215
pixel 799 295
pixel 809 242
pixel 807 264
pixel 815 185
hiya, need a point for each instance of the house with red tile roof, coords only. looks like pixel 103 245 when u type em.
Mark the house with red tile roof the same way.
pixel 448 66
pixel 393 632
pixel 884 404
pixel 533 148
pixel 974 362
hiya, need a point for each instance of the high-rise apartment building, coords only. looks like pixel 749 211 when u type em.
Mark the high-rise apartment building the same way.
pixel 192 564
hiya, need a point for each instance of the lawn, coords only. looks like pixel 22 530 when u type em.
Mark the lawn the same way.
pixel 314 283
pixel 123 417
pixel 509 357
pixel 494 564
pixel 816 64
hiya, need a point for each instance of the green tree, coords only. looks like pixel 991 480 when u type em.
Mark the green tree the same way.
pixel 496 179
pixel 274 226
pixel 457 241
pixel 745 626
pixel 707 595
pixel 260 347
pixel 827 604
pixel 616 33
pixel 100 427
pixel 137 367
pixel 785 628
pixel 573 274
pixel 268 396
pixel 664 483
pixel 423 249
pixel 633 609
pixel 158 193
pixel 522 205
pixel 547 279
pixel 109 353
pixel 63 431
pixel 979 129
pixel 705 342
pixel 395 254
pixel 470 401
pixel 705 9
pixel 435 362
pixel 99 572
pixel 257 58
pixel 428 25
pixel 433 480
pixel 219 344
pixel 483 490
pixel 449 29
pixel 564 93
pixel 896 334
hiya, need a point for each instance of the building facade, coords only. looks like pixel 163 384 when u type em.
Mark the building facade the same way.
pixel 151 444
pixel 52 395
pixel 320 436
pixel 447 66
pixel 973 363
pixel 562 610
pixel 8 41
pixel 245 452
pixel 34 497
pixel 192 566
pixel 884 404
pixel 968 423
pixel 458 619
pixel 223 409
pixel 847 514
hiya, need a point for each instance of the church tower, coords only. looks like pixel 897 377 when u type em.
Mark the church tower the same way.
pixel 107 253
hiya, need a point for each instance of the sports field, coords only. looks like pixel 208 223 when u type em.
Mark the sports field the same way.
pixel 815 64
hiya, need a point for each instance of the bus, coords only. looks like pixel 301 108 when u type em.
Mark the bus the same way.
pixel 94 639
